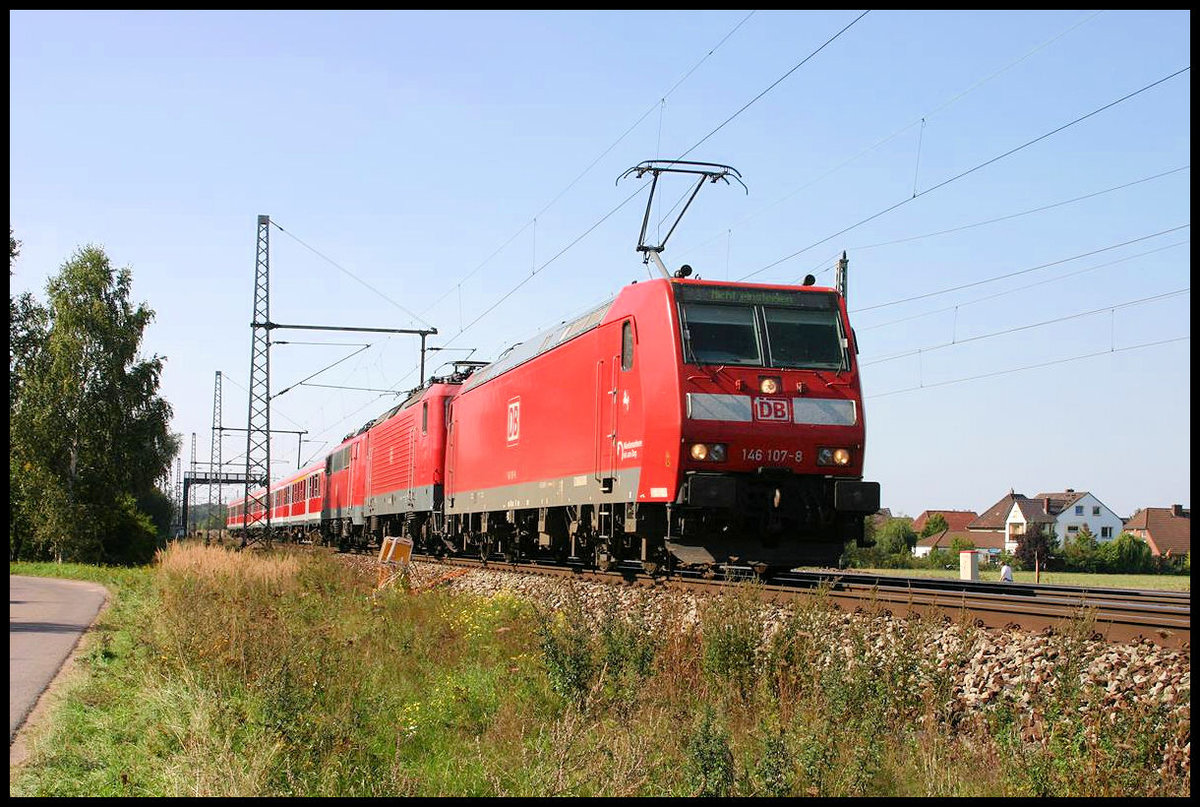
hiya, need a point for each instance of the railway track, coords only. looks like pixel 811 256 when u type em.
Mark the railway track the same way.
pixel 1116 615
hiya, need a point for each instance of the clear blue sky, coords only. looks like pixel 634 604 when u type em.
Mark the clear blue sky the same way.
pixel 444 158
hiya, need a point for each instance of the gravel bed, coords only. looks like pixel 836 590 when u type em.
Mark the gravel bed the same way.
pixel 989 667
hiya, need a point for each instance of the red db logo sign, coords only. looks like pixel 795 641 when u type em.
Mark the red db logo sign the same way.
pixel 777 409
pixel 514 420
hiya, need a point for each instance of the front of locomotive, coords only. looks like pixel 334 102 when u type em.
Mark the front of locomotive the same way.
pixel 772 429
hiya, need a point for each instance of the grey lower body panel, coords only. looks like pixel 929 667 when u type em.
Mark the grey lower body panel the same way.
pixel 354 514
pixel 563 491
pixel 405 500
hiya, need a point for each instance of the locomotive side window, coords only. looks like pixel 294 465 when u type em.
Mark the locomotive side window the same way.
pixel 627 345
pixel 720 334
pixel 800 338
pixel 425 417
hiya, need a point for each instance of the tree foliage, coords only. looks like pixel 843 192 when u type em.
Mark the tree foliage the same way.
pixel 960 543
pixel 1128 554
pixel 1036 547
pixel 89 434
pixel 934 524
pixel 896 537
pixel 1081 553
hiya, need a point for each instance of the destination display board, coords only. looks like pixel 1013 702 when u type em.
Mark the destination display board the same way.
pixel 748 295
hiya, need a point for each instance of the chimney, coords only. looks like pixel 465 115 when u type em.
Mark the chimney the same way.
pixel 1046 504
pixel 1177 510
pixel 1070 490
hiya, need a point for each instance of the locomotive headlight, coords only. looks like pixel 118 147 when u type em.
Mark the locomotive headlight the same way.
pixel 833 456
pixel 713 452
pixel 769 385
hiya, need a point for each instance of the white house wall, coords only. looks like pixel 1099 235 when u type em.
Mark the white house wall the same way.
pixel 1095 523
pixel 1014 519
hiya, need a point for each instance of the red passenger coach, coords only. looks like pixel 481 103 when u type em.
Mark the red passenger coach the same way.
pixel 684 422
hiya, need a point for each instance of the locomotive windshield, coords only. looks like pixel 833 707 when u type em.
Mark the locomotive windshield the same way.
pixel 761 327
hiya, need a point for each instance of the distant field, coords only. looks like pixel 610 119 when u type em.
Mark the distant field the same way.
pixel 1162 582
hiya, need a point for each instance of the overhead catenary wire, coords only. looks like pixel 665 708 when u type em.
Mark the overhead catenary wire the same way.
pixel 1011 216
pixel 752 101
pixel 1023 287
pixel 318 372
pixel 775 83
pixel 343 269
pixel 1016 273
pixel 458 285
pixel 592 164
pixel 1110 351
pixel 1016 329
pixel 829 265
pixel 629 198
pixel 903 129
pixel 969 171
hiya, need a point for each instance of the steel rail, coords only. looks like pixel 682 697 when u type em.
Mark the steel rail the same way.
pixel 1113 615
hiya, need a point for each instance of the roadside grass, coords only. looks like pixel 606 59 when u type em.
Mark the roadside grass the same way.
pixel 1156 582
pixel 217 673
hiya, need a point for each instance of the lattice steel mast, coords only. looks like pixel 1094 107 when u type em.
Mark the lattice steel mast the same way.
pixel 214 457
pixel 179 525
pixel 189 526
pixel 258 421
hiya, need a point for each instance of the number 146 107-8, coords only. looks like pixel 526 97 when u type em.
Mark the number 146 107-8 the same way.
pixel 772 455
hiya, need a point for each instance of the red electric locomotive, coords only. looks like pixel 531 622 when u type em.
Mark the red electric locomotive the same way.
pixel 402 467
pixel 685 422
pixel 384 479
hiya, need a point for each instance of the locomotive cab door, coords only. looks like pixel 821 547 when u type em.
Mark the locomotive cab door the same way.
pixel 608 383
pixel 451 458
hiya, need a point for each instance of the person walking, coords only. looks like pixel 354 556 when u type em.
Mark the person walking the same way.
pixel 1005 573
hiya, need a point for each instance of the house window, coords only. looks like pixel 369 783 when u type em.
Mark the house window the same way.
pixel 1106 532
pixel 1072 529
pixel 1079 509
pixel 1095 511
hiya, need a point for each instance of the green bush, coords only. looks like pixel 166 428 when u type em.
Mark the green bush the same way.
pixel 709 758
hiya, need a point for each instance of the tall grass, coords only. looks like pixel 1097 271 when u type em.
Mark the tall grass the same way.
pixel 218 673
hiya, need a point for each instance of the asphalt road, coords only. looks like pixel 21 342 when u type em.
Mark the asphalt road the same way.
pixel 46 618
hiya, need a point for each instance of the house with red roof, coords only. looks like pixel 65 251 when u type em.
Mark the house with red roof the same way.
pixel 956 527
pixel 1168 530
pixel 1063 514
pixel 1073 510
pixel 956 520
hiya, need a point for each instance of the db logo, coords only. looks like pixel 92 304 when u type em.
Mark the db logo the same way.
pixel 772 409
pixel 514 420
